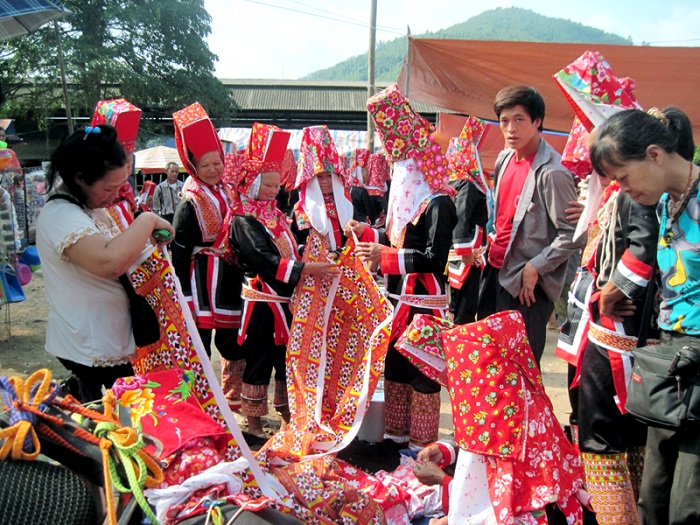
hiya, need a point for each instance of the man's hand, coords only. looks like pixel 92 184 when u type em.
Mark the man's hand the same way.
pixel 614 303
pixel 527 292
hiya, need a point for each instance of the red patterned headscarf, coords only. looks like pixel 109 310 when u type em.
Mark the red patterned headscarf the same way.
pixel 196 135
pixel 360 160
pixel 378 174
pixel 289 171
pixel 406 135
pixel 317 153
pixel 463 155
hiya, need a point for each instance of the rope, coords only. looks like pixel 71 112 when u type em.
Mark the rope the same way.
pixel 238 513
pixel 128 445
pixel 608 222
pixel 25 402
pixel 214 511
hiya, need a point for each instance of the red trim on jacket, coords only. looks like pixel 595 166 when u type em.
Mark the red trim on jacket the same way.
pixel 392 262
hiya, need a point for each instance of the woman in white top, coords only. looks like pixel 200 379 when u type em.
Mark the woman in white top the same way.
pixel 83 254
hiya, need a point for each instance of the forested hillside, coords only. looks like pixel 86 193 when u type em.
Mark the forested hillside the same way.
pixel 511 23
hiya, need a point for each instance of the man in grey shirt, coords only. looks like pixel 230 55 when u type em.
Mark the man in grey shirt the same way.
pixel 168 194
pixel 527 259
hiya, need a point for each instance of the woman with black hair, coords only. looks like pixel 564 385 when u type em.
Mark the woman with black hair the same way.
pixel 83 253
pixel 650 156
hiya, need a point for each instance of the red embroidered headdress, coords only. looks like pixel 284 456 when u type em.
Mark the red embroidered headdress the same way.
pixel 123 116
pixel 195 134
pixel 265 152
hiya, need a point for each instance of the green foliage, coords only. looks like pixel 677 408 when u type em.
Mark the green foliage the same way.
pixel 512 23
pixel 151 52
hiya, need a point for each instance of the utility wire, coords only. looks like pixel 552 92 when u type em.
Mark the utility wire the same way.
pixel 361 24
pixel 343 16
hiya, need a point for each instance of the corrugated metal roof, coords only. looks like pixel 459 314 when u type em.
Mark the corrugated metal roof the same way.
pixel 306 95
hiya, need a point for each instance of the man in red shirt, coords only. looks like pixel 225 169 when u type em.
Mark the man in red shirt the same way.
pixel 527 260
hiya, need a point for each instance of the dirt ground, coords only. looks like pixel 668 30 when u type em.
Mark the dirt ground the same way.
pixel 23 330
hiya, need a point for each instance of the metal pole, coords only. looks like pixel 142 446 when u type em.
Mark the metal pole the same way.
pixel 66 100
pixel 370 71
pixel 408 59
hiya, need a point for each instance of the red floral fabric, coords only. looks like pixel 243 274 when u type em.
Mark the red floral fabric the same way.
pixel 500 410
pixel 289 170
pixel 593 90
pixel 406 134
pixel 463 155
pixel 162 404
pixel 379 173
pixel 575 156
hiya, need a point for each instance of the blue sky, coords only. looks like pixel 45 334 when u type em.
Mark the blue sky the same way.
pixel 287 39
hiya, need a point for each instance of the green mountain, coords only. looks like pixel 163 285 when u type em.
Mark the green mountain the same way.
pixel 511 23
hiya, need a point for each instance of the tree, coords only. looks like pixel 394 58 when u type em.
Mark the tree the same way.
pixel 151 52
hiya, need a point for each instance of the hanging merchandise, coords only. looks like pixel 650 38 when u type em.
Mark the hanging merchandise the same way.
pixel 34 185
pixel 10 240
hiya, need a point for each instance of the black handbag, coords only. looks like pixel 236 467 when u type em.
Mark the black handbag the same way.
pixel 144 321
pixel 664 390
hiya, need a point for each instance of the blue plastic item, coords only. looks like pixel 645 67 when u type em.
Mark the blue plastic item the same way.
pixel 30 257
pixel 11 288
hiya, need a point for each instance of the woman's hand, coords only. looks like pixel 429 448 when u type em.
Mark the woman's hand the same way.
pixel 431 453
pixel 614 303
pixel 319 269
pixel 162 224
pixel 468 260
pixel 369 251
pixel 356 227
pixel 429 473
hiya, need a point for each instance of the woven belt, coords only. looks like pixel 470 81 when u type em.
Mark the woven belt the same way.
pixel 251 294
pixel 432 302
pixel 612 340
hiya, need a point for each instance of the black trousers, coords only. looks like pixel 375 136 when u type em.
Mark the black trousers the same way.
pixel 91 379
pixel 493 298
pixel 602 428
pixel 463 302
pixel 261 353
pixel 226 341
pixel 670 492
